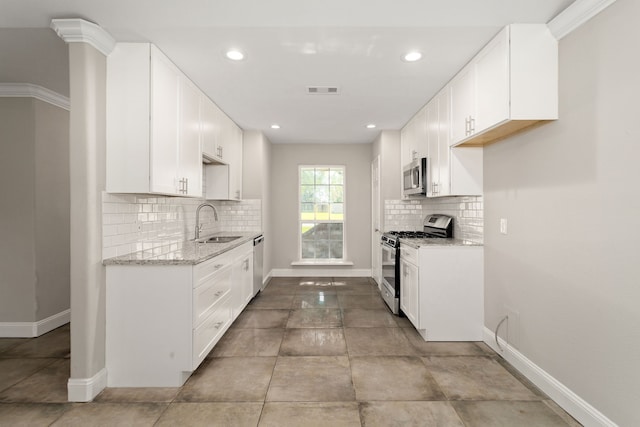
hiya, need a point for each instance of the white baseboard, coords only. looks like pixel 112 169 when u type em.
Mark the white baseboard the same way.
pixel 319 272
pixel 34 329
pixel 85 389
pixel 562 395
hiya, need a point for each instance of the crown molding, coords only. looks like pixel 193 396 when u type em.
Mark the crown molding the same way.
pixel 575 15
pixel 28 90
pixel 81 31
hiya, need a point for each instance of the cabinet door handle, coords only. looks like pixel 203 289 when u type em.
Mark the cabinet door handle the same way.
pixel 472 125
pixel 217 294
pixel 217 325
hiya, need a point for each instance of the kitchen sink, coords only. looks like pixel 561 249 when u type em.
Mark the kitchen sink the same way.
pixel 219 239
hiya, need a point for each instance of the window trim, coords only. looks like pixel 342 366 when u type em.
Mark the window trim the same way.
pixel 327 261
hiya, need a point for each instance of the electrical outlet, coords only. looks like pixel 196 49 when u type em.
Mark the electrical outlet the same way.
pixel 503 226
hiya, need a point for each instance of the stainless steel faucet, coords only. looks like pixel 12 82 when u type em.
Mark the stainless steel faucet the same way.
pixel 198 225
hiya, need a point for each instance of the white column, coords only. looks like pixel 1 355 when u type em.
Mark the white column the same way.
pixel 89 46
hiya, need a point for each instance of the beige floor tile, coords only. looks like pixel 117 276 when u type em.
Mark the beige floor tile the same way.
pixel 314 300
pixel 370 302
pixel 259 319
pixel 315 318
pixel 14 370
pixel 476 378
pixel 285 414
pixel 316 290
pixel 313 342
pixel 363 318
pixel 343 288
pixel 507 414
pixel 409 414
pixel 206 414
pixel 47 385
pixel 337 281
pixel 403 322
pixel 249 342
pixel 279 289
pixel 56 343
pixel 31 414
pixel 390 378
pixel 8 343
pixel 378 342
pixel 270 301
pixel 435 348
pixel 311 379
pixel 229 379
pixel 138 395
pixel 111 414
pixel 562 413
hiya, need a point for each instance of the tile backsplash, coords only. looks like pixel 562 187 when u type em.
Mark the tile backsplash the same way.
pixel 467 213
pixel 134 222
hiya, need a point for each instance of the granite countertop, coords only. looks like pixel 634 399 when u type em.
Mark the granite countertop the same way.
pixel 416 243
pixel 186 252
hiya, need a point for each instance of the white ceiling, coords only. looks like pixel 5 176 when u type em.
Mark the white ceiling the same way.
pixel 291 44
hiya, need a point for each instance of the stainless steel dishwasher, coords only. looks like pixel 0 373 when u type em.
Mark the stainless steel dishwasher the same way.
pixel 258 249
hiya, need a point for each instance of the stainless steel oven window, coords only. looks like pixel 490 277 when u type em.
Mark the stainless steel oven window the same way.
pixel 389 265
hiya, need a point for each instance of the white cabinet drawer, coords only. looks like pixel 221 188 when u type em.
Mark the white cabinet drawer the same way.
pixel 409 254
pixel 209 332
pixel 204 272
pixel 209 294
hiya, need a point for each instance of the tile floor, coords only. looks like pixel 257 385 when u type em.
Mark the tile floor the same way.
pixel 305 352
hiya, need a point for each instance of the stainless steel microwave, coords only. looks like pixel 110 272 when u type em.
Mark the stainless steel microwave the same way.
pixel 414 178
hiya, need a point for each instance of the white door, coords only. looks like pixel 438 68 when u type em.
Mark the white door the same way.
pixel 376 254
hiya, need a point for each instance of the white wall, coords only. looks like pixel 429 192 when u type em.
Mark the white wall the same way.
pixel 256 184
pixel 569 189
pixel 34 219
pixel 34 55
pixel 17 215
pixel 284 198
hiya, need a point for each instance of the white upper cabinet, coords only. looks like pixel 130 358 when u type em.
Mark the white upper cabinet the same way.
pixel 224 174
pixel 214 125
pixel 510 85
pixel 413 138
pixel 153 124
pixel 453 171
pixel 190 151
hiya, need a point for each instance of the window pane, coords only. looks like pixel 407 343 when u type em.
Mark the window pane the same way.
pixel 308 250
pixel 337 194
pixel 322 249
pixel 322 194
pixel 307 193
pixel 335 249
pixel 307 176
pixel 308 231
pixel 322 231
pixel 307 212
pixel 322 176
pixel 335 232
pixel 337 176
pixel 336 212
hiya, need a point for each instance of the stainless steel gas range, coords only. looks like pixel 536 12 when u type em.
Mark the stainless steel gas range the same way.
pixel 435 226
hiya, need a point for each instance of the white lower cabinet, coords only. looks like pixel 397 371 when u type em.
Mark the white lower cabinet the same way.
pixel 442 291
pixel 163 320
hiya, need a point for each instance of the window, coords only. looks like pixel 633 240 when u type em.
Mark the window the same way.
pixel 321 213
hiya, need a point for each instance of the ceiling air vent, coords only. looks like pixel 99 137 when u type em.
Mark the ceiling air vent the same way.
pixel 322 90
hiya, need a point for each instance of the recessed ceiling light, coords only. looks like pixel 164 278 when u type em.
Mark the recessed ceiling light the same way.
pixel 275 126
pixel 235 55
pixel 371 126
pixel 412 56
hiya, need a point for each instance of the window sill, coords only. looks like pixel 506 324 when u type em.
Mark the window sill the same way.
pixel 322 263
